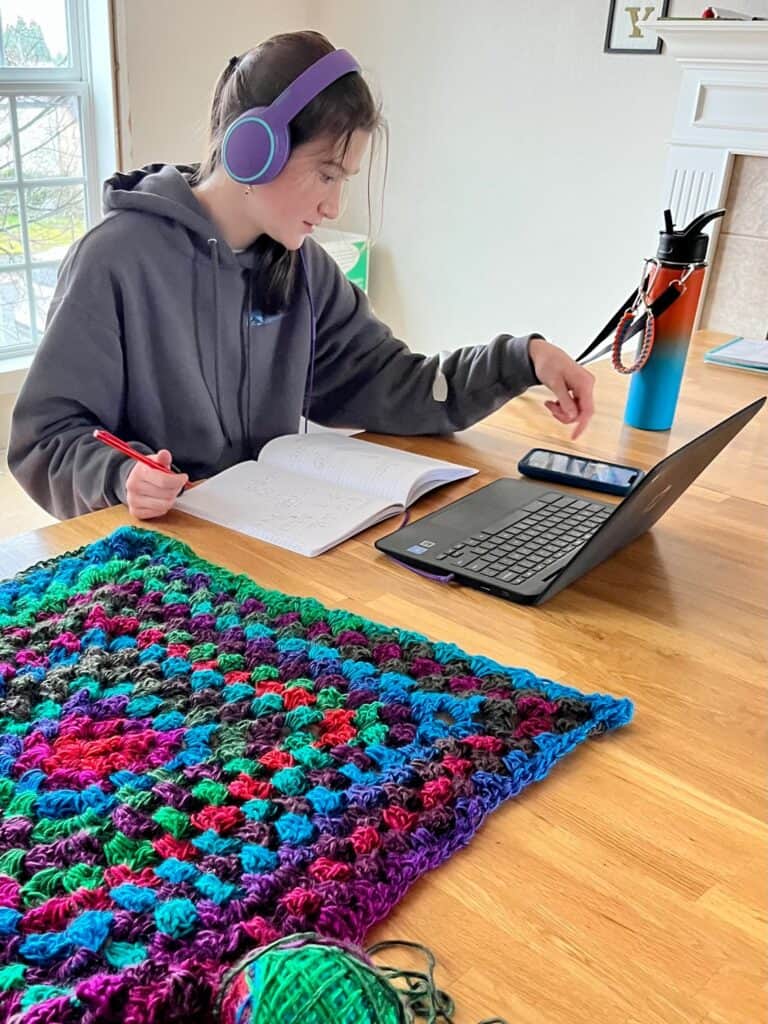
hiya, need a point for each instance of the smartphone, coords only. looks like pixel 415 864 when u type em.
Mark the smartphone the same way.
pixel 562 468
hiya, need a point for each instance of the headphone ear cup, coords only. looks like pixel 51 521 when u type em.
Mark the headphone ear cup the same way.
pixel 280 156
pixel 254 150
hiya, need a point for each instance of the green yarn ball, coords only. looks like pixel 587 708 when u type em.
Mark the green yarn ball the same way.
pixel 309 983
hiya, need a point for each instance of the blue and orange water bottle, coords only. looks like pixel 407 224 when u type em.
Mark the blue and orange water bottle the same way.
pixel 670 291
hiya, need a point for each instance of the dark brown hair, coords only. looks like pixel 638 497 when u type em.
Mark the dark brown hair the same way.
pixel 256 79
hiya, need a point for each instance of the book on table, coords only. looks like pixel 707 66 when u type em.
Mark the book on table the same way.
pixel 310 492
pixel 741 354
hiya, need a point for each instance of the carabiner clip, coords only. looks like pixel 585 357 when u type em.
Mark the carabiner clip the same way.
pixel 680 282
pixel 646 281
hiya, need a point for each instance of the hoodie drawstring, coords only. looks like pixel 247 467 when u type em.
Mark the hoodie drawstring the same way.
pixel 201 358
pixel 243 391
pixel 247 431
pixel 214 247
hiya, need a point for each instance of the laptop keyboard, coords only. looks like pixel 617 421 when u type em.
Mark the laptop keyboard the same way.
pixel 529 539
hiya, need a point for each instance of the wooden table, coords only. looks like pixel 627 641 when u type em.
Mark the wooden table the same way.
pixel 629 887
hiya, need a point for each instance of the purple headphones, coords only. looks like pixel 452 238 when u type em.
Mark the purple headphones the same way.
pixel 257 145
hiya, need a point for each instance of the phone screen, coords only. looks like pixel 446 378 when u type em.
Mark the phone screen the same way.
pixel 586 469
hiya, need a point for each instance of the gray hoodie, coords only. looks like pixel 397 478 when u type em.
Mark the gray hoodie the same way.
pixel 153 334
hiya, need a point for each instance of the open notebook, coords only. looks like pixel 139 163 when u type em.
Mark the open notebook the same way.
pixel 309 492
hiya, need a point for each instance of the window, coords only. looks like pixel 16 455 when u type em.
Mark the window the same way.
pixel 47 158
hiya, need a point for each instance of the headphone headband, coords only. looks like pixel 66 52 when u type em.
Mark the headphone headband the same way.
pixel 311 82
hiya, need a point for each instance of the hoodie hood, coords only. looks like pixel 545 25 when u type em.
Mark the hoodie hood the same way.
pixel 164 190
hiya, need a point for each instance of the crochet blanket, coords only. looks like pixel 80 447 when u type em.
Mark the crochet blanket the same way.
pixel 191 766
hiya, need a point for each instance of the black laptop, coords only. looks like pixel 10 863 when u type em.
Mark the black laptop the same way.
pixel 526 542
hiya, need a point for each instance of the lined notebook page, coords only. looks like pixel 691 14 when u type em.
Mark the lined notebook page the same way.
pixel 284 508
pixel 387 473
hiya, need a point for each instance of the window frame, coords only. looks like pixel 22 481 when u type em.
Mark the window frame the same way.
pixel 74 80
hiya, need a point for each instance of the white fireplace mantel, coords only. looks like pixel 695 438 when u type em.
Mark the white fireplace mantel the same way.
pixel 702 39
pixel 721 111
pixel 723 100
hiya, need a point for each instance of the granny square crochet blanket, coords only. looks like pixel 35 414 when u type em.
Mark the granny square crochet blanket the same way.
pixel 192 766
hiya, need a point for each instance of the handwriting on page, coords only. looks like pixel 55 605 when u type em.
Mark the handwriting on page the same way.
pixel 302 510
pixel 378 470
pixel 281 507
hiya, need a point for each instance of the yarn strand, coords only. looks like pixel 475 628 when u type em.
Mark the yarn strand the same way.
pixel 421 994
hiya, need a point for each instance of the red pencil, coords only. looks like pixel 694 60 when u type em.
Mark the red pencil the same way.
pixel 125 449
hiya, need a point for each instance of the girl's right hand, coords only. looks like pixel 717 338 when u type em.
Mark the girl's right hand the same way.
pixel 151 493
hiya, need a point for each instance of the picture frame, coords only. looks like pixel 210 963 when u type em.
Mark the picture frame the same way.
pixel 624 31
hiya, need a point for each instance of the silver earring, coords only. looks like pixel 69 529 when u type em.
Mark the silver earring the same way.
pixel 248 190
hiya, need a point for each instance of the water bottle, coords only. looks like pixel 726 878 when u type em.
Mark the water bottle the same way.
pixel 680 263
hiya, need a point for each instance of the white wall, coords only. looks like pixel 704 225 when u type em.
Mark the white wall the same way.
pixel 170 54
pixel 526 165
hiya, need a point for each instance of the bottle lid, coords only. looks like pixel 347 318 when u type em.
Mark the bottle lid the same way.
pixel 685 245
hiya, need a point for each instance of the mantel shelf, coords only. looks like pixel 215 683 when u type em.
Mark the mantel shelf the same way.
pixel 713 40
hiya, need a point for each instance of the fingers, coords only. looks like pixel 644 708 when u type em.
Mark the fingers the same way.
pixel 571 384
pixel 559 387
pixel 164 481
pixel 163 457
pixel 149 508
pixel 557 412
pixel 579 428
pixel 161 485
pixel 578 406
pixel 149 482
pixel 150 492
pixel 582 389
pixel 146 507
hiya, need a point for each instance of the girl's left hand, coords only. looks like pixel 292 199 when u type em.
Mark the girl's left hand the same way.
pixel 570 383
